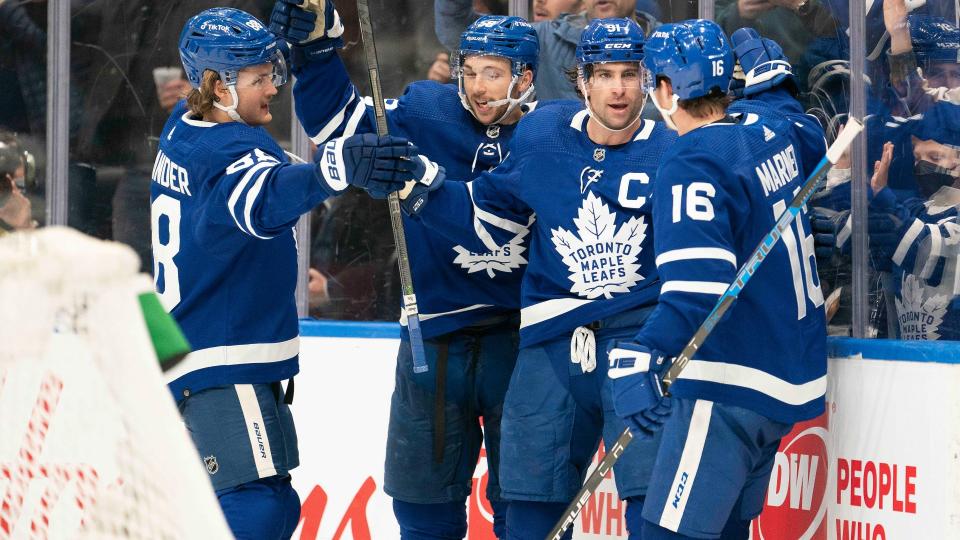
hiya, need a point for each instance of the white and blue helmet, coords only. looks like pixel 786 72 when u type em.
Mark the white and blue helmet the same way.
pixel 226 40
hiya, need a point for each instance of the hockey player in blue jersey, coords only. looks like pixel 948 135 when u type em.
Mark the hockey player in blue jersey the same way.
pixel 720 189
pixel 468 298
pixel 224 200
pixel 587 173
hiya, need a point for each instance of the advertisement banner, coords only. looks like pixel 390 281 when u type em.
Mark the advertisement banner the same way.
pixel 882 462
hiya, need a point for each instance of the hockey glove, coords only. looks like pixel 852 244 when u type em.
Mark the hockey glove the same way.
pixel 312 27
pixel 638 398
pixel 379 165
pixel 762 61
pixel 427 176
pixel 831 234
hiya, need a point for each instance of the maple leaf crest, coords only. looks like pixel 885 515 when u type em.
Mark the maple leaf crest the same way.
pixel 919 318
pixel 601 258
pixel 505 259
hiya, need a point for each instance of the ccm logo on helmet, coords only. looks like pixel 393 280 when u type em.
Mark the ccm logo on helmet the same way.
pixel 617 46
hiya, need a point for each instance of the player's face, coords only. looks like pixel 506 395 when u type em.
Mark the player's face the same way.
pixel 604 9
pixel 943 75
pixel 615 91
pixel 486 79
pixel 545 10
pixel 255 90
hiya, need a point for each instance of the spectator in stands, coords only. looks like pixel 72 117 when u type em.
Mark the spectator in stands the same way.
pixel 15 208
pixel 558 38
pixel 548 10
pixel 791 23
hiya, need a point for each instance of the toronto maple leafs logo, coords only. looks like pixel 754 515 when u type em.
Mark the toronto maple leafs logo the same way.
pixel 920 318
pixel 506 258
pixel 601 257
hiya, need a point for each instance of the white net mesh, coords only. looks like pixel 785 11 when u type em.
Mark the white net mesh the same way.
pixel 91 444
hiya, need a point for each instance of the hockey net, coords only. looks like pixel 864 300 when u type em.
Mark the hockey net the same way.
pixel 91 443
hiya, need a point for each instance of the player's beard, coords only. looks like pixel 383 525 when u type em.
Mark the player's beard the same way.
pixel 618 122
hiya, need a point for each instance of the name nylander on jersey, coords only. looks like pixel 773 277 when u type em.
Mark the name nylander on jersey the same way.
pixel 722 187
pixel 225 259
pixel 455 286
pixel 591 249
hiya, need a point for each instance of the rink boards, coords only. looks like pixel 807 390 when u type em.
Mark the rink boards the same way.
pixel 882 462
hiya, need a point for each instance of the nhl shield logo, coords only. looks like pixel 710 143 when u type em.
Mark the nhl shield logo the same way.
pixel 599 154
pixel 493 131
pixel 211 463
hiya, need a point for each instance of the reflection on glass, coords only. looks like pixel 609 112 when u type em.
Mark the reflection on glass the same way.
pixel 913 105
pixel 125 79
pixel 22 115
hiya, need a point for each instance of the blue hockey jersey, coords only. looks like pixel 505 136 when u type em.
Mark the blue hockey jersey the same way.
pixel 721 188
pixel 926 281
pixel 456 286
pixel 591 252
pixel 224 200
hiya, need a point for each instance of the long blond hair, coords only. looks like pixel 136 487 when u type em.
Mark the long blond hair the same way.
pixel 201 100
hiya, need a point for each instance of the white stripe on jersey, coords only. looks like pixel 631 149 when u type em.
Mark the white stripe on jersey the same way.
pixel 242 185
pixel 256 430
pixel 687 254
pixel 428 316
pixel 542 311
pixel 704 287
pixel 355 117
pixel 235 355
pixel 936 241
pixel 686 474
pixel 482 215
pixel 251 199
pixel 333 124
pixel 907 241
pixel 577 121
pixel 754 379
pixel 645 131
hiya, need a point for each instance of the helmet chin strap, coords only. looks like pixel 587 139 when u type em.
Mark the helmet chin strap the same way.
pixel 232 109
pixel 586 101
pixel 666 113
pixel 512 103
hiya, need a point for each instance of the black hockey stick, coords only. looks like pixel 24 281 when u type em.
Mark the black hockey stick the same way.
pixel 396 221
pixel 839 146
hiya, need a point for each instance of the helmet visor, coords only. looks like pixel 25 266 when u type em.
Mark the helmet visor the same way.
pixel 616 75
pixel 277 74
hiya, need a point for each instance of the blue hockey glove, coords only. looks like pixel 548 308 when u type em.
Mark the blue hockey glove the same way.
pixel 886 231
pixel 312 27
pixel 831 233
pixel 427 176
pixel 379 165
pixel 636 373
pixel 762 61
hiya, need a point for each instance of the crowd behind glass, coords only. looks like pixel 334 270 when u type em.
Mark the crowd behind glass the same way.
pixel 125 77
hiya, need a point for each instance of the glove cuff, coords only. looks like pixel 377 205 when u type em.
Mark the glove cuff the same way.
pixel 317 49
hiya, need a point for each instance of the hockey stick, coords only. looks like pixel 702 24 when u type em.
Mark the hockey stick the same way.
pixel 744 274
pixel 396 221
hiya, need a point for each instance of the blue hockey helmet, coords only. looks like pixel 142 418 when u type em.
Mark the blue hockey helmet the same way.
pixel 934 39
pixel 227 40
pixel 610 40
pixel 498 35
pixel 694 55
